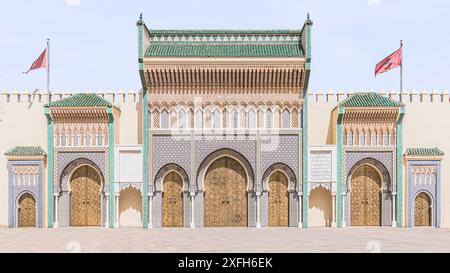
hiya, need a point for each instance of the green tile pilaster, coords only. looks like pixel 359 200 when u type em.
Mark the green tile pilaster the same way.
pixel 144 103
pixel 399 198
pixel 305 162
pixel 50 167
pixel 111 141
pixel 306 44
pixel 339 142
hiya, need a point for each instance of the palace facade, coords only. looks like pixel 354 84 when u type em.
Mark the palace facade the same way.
pixel 224 133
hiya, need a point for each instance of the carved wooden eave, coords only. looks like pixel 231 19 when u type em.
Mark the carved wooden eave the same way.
pixel 79 113
pixel 225 75
pixel 371 114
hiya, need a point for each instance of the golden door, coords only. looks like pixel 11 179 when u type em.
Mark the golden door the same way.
pixel 278 200
pixel 172 212
pixel 366 197
pixel 27 211
pixel 422 210
pixel 85 197
pixel 225 194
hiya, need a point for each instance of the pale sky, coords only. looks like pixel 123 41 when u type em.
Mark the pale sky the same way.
pixel 94 42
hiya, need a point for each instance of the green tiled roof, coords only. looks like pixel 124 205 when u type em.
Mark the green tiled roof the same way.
pixel 424 152
pixel 25 151
pixel 82 99
pixel 221 50
pixel 224 43
pixel 371 99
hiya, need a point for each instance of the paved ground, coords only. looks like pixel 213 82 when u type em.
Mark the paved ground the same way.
pixel 225 240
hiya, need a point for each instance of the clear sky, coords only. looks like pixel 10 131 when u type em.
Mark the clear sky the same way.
pixel 94 42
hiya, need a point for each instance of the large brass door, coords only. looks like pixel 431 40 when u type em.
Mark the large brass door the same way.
pixel 27 211
pixel 172 212
pixel 366 197
pixel 226 194
pixel 278 200
pixel 85 197
pixel 422 210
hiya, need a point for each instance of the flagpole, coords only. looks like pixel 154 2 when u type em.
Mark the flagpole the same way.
pixel 401 69
pixel 48 69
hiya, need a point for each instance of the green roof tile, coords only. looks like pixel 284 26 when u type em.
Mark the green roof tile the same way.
pixel 82 99
pixel 223 50
pixel 371 99
pixel 224 43
pixel 424 152
pixel 25 151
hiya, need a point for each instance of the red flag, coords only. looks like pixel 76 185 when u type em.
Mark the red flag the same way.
pixel 390 62
pixel 40 62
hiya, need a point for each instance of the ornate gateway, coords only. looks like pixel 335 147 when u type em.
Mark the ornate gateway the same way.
pixel 27 211
pixel 422 210
pixel 278 200
pixel 172 201
pixel 85 197
pixel 225 194
pixel 366 197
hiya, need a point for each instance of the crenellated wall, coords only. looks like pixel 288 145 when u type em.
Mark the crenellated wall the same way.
pixel 22 122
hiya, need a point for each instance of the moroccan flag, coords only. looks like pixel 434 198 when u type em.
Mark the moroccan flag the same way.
pixel 390 62
pixel 40 62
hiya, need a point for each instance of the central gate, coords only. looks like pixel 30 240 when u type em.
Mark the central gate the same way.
pixel 85 197
pixel 366 197
pixel 226 194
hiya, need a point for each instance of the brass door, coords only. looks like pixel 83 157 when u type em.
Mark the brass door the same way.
pixel 225 194
pixel 27 211
pixel 172 212
pixel 278 200
pixel 366 197
pixel 85 197
pixel 422 210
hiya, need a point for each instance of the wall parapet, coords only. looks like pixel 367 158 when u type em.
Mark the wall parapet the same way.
pixel 41 96
pixel 328 96
pixel 332 96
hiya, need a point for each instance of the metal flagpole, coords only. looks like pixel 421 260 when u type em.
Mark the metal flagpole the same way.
pixel 401 69
pixel 48 69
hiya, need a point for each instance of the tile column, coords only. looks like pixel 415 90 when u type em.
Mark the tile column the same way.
pixel 343 210
pixel 116 210
pixel 55 224
pixel 300 210
pixel 333 210
pixel 394 221
pixel 192 209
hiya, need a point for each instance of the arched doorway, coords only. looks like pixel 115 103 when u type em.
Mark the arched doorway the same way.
pixel 172 204
pixel 85 196
pixel 365 197
pixel 278 200
pixel 130 207
pixel 422 210
pixel 226 194
pixel 320 207
pixel 27 210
